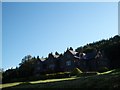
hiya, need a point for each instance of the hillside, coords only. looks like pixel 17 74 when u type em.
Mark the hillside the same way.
pixel 110 47
pixel 109 80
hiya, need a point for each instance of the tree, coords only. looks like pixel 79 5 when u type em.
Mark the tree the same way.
pixel 10 74
pixel 38 58
pixel 25 59
pixel 26 66
pixel 56 53
pixel 1 71
pixel 79 49
pixel 71 48
pixel 88 49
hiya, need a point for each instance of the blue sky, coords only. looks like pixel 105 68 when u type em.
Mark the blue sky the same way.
pixel 41 28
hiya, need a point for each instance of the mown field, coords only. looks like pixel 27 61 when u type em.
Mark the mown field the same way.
pixel 108 80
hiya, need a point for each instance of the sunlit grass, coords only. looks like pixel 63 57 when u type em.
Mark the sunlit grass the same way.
pixel 9 84
pixel 52 80
pixel 107 72
pixel 35 82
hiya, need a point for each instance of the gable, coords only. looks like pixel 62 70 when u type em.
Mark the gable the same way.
pixel 68 54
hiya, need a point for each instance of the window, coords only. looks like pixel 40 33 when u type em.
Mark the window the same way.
pixel 68 63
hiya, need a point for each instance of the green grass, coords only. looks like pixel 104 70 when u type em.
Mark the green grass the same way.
pixel 34 82
pixel 109 79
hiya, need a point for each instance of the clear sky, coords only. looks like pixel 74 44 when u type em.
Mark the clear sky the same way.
pixel 41 28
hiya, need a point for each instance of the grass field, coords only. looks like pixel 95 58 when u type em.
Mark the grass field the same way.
pixel 109 80
pixel 34 82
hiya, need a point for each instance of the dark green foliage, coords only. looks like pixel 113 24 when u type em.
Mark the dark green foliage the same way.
pixel 89 73
pixel 26 68
pixel 110 48
pixel 40 77
pixel 58 75
pixel 56 53
pixel 10 74
pixel 71 48
pixel 37 58
pixel 88 49
pixel 100 45
pixel 1 71
pixel 79 49
pixel 103 69
pixel 113 54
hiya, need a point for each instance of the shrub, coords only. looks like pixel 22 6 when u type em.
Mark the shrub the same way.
pixel 103 69
pixel 58 75
pixel 89 73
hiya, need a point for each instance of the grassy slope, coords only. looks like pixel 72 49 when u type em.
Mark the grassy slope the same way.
pixel 110 79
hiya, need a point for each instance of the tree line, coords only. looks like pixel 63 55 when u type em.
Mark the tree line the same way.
pixel 110 47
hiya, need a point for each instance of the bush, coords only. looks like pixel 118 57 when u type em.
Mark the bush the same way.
pixel 58 75
pixel 40 77
pixel 89 73
pixel 103 69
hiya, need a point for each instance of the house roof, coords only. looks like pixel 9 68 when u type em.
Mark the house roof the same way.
pixel 42 59
pixel 56 56
pixel 73 52
pixel 76 57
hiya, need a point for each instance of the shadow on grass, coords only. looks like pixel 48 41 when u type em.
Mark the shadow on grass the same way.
pixel 21 86
pixel 105 81
pixel 39 86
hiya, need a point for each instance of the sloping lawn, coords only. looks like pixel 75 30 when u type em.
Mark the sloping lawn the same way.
pixel 8 85
pixel 109 80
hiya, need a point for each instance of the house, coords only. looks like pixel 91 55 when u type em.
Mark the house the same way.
pixel 72 59
pixel 90 61
pixel 93 61
pixel 69 60
pixel 38 67
pixel 51 63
